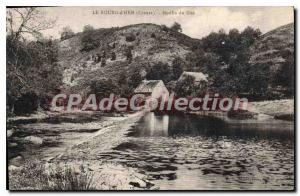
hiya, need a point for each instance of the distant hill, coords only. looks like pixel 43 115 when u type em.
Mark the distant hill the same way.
pixel 275 50
pixel 150 44
pixel 274 47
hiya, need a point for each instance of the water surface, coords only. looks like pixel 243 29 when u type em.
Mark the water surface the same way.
pixel 193 152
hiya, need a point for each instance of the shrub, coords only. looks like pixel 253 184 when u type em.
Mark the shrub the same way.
pixel 66 33
pixel 87 28
pixel 113 56
pixel 89 41
pixel 185 87
pixel 26 104
pixel 177 68
pixel 35 176
pixel 102 87
pixel 67 179
pixel 128 54
pixel 135 79
pixel 103 62
pixel 130 38
pixel 176 27
pixel 164 28
pixel 159 71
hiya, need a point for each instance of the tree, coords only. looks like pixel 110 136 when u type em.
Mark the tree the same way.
pixel 176 27
pixel 66 33
pixel 29 20
pixel 177 68
pixel 123 84
pixel 113 56
pixel 103 62
pixel 185 87
pixel 88 28
pixel 32 68
pixel 135 79
pixel 249 35
pixel 128 54
pixel 88 39
pixel 103 87
pixel 230 52
pixel 34 73
pixel 258 79
pixel 159 71
pixel 285 76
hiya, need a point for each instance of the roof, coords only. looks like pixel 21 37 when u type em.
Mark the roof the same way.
pixel 147 86
pixel 199 76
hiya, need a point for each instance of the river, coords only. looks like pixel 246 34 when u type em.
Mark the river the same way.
pixel 192 152
pixel 181 152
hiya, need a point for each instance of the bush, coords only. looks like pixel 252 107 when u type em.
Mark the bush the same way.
pixel 176 27
pixel 26 104
pixel 164 28
pixel 87 28
pixel 35 176
pixel 185 87
pixel 113 56
pixel 130 38
pixel 65 178
pixel 177 68
pixel 103 62
pixel 88 41
pixel 32 73
pixel 135 79
pixel 103 87
pixel 66 33
pixel 128 54
pixel 160 71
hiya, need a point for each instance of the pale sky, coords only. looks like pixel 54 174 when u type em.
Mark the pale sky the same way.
pixel 204 20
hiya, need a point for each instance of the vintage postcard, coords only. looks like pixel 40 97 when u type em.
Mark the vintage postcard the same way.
pixel 150 98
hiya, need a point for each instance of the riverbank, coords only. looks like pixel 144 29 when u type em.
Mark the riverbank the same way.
pixel 76 147
pixel 118 155
pixel 278 109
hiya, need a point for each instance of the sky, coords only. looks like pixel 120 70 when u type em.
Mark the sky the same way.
pixel 196 22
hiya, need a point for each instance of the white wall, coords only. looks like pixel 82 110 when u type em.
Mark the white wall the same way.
pixel 160 90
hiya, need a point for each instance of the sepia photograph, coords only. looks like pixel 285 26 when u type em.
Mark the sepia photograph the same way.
pixel 150 98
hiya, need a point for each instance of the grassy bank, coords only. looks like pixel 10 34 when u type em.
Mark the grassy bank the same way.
pixel 36 176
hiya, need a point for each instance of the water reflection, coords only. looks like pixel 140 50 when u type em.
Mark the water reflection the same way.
pixel 152 125
pixel 192 152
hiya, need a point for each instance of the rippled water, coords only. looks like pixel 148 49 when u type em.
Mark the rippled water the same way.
pixel 192 152
pixel 184 152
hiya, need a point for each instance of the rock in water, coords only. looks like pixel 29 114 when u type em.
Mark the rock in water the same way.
pixel 10 132
pixel 17 161
pixel 34 140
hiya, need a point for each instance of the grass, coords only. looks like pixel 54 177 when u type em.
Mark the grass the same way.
pixel 35 176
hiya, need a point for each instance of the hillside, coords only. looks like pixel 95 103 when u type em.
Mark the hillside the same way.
pixel 274 52
pixel 274 47
pixel 149 44
pixel 222 56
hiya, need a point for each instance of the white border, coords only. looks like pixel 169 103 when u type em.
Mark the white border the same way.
pixel 5 3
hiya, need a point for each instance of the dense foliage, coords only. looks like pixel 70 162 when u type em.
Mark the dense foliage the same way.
pixel 32 74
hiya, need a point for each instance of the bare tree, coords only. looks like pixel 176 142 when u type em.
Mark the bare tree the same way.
pixel 31 65
pixel 29 20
